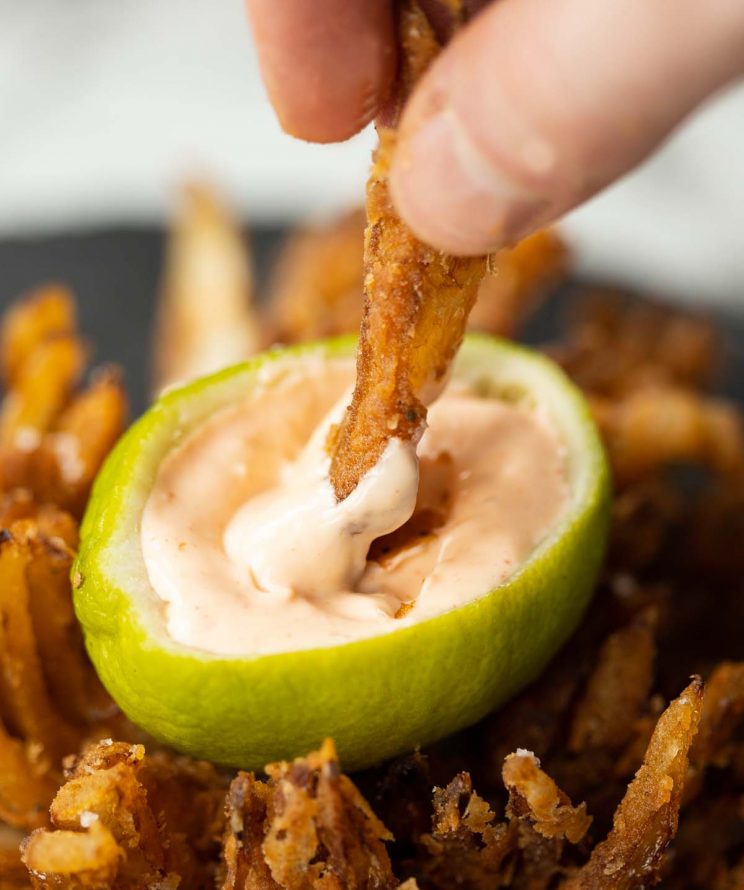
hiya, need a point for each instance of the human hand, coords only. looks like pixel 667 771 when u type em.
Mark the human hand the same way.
pixel 535 106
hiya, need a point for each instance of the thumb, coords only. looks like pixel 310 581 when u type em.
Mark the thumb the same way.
pixel 537 105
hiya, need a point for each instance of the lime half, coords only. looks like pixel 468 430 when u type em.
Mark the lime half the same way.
pixel 377 697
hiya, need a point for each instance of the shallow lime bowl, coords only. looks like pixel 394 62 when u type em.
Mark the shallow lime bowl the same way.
pixel 377 697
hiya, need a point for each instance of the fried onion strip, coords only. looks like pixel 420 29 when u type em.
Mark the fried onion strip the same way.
pixel 42 389
pixel 307 826
pixel 25 786
pixel 70 456
pixel 206 318
pixel 45 314
pixel 618 688
pixel 25 702
pixel 416 306
pixel 73 859
pixel 646 819
pixel 69 675
pixel 535 796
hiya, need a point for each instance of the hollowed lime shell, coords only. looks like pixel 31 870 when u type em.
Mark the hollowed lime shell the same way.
pixel 377 697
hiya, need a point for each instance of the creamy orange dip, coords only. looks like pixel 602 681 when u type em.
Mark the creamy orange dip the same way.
pixel 250 554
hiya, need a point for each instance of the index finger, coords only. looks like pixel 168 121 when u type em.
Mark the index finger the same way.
pixel 327 65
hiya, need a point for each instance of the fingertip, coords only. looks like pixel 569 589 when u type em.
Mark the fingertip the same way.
pixel 327 66
pixel 324 115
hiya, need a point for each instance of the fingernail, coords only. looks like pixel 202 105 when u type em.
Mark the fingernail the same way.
pixel 453 197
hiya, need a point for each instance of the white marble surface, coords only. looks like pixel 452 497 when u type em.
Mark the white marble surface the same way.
pixel 105 105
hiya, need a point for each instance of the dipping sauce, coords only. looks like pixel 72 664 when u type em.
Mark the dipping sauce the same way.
pixel 250 553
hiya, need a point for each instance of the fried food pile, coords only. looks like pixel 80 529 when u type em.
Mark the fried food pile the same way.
pixel 614 770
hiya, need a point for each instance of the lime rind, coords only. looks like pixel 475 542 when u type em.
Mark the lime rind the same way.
pixel 377 697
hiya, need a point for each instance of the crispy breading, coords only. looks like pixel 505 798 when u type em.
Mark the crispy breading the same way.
pixel 618 688
pixel 206 320
pixel 50 697
pixel 70 456
pixel 535 796
pixel 306 827
pixel 545 819
pixel 188 798
pixel 26 705
pixel 45 314
pixel 416 305
pixel 723 712
pixel 674 576
pixel 40 391
pixel 469 847
pixel 243 862
pixel 67 671
pixel 162 816
pixel 73 859
pixel 646 820
pixel 466 847
pixel 49 520
pixel 54 439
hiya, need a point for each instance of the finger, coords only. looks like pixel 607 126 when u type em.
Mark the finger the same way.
pixel 327 64
pixel 536 106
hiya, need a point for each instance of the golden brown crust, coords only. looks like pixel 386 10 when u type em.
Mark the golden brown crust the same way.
pixel 466 845
pixel 646 819
pixel 73 859
pixel 132 820
pixel 69 457
pixel 416 305
pixel 27 706
pixel 307 826
pixel 125 815
pixel 45 314
pixel 618 688
pixel 54 437
pixel 40 391
pixel 535 796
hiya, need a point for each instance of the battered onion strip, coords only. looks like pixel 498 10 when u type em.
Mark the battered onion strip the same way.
pixel 646 819
pixel 535 798
pixel 26 704
pixel 206 317
pixel 416 305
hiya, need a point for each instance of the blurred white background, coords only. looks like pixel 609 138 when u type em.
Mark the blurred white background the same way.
pixel 105 106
